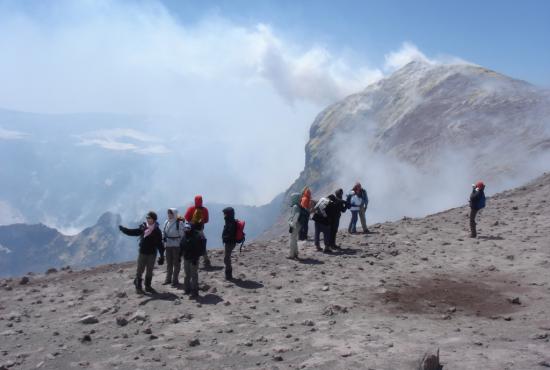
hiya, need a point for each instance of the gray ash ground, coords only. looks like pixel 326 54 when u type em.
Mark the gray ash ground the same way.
pixel 387 298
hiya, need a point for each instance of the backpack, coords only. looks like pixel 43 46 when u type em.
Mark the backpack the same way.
pixel 321 206
pixel 197 216
pixel 240 235
pixel 481 202
pixel 177 224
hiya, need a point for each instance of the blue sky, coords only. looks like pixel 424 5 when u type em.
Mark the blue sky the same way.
pixel 512 37
pixel 241 77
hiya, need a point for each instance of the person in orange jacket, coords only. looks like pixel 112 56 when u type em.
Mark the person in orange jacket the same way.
pixel 307 205
pixel 197 216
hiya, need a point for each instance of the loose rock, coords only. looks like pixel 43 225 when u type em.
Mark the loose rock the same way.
pixel 88 319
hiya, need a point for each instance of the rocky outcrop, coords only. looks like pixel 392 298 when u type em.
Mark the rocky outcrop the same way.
pixel 37 247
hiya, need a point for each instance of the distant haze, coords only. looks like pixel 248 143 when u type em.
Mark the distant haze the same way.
pixel 137 109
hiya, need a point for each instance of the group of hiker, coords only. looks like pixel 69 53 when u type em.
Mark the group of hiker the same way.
pixel 181 238
pixel 325 213
pixel 184 238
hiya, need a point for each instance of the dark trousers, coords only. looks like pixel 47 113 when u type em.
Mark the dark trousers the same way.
pixel 173 264
pixel 325 229
pixel 191 279
pixel 352 228
pixel 473 213
pixel 145 263
pixel 303 232
pixel 228 247
pixel 334 231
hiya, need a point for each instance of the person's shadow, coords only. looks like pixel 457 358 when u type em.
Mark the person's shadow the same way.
pixel 490 237
pixel 166 296
pixel 247 284
pixel 212 268
pixel 310 261
pixel 209 298
pixel 345 251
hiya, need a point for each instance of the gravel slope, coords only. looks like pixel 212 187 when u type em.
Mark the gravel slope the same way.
pixel 386 299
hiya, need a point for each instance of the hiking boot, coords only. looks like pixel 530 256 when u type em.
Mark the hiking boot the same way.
pixel 336 247
pixel 317 247
pixel 207 264
pixel 148 287
pixel 137 284
pixel 166 282
pixel 186 291
pixel 175 284
pixel 229 276
pixel 194 294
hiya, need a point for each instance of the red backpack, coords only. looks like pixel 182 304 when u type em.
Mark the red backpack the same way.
pixel 240 236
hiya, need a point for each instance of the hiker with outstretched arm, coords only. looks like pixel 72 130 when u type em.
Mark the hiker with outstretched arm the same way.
pixel 171 235
pixel 294 225
pixel 477 202
pixel 150 241
pixel 192 248
pixel 197 216
pixel 334 214
pixel 229 240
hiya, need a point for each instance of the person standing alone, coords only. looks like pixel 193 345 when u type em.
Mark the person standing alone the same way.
pixel 477 202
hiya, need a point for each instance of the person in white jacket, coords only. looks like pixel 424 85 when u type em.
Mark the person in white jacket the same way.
pixel 171 235
pixel 294 225
pixel 354 207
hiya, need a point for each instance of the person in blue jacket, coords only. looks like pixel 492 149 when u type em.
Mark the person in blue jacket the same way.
pixel 477 202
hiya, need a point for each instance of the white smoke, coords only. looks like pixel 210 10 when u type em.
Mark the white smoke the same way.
pixel 136 57
pixel 409 52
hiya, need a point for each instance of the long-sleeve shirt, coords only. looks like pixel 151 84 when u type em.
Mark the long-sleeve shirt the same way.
pixel 147 244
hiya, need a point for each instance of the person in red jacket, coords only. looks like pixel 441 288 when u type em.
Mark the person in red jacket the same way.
pixel 197 216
